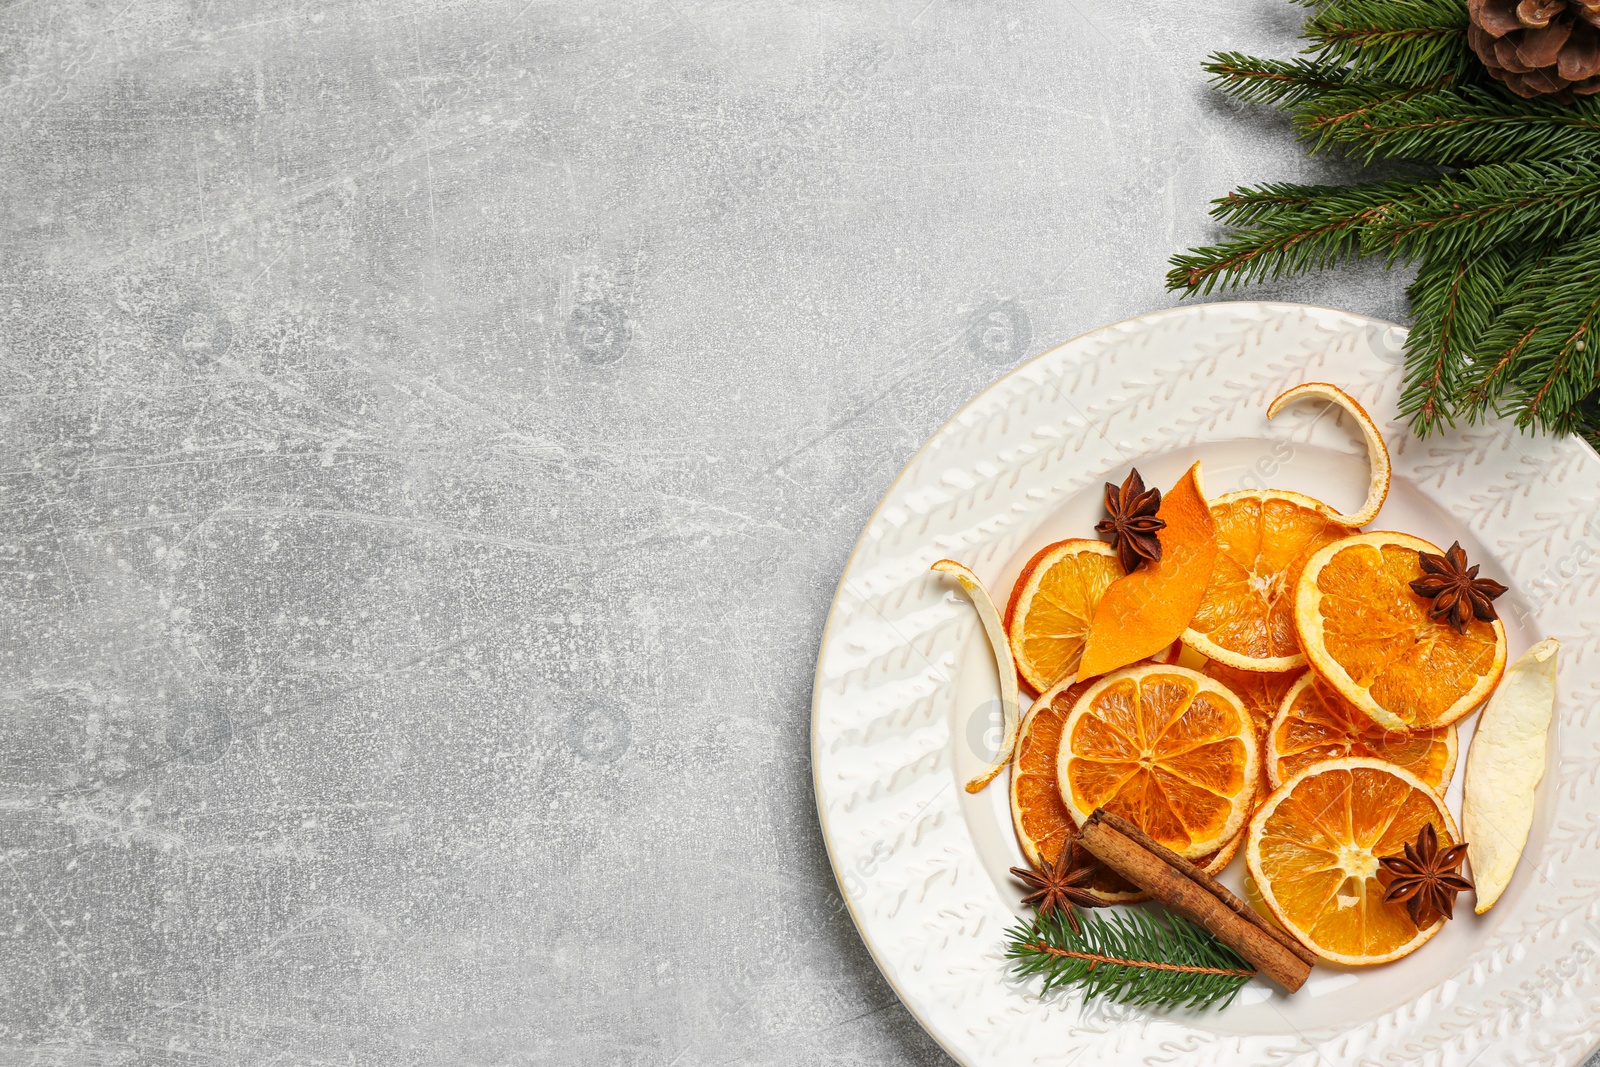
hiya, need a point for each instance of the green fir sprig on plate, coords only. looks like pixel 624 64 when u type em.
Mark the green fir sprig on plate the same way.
pixel 1493 197
pixel 1129 956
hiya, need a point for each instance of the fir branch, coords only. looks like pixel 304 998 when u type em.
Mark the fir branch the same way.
pixel 1542 360
pixel 1273 81
pixel 1471 124
pixel 1130 957
pixel 1587 417
pixel 1462 216
pixel 1245 206
pixel 1405 41
pixel 1454 301
pixel 1507 292
pixel 1328 119
pixel 1284 237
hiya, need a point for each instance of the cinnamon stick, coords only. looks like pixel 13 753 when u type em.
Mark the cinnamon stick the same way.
pixel 1197 896
pixel 1207 882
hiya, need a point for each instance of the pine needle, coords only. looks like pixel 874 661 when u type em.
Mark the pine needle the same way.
pixel 1289 230
pixel 1130 956
pixel 1471 124
pixel 1410 42
pixel 1345 115
pixel 1542 360
pixel 1495 204
pixel 1273 81
pixel 1454 301
pixel 1262 203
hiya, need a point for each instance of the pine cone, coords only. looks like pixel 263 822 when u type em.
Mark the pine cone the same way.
pixel 1538 46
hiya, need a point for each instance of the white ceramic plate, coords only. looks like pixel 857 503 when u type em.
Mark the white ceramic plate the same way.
pixel 904 705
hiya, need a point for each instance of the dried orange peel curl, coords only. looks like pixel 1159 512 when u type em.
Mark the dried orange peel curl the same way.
pixel 989 615
pixel 1377 451
pixel 1142 613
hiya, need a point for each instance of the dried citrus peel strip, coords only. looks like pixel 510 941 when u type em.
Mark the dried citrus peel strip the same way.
pixel 989 615
pixel 1144 612
pixel 1504 766
pixel 1377 451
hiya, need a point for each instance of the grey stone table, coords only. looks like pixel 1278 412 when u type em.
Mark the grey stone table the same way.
pixel 432 433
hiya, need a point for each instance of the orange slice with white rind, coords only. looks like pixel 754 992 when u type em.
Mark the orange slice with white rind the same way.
pixel 989 617
pixel 1377 451
pixel 1261 693
pixel 1168 749
pixel 1313 850
pixel 1047 619
pixel 1314 724
pixel 1216 861
pixel 1370 638
pixel 1040 817
pixel 1264 536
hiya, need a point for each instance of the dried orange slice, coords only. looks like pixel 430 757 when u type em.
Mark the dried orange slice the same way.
pixel 1168 749
pixel 1377 451
pixel 1313 851
pixel 1261 693
pixel 1144 612
pixel 1316 724
pixel 1264 536
pixel 1038 813
pixel 1043 824
pixel 1369 636
pixel 1216 861
pixel 1047 619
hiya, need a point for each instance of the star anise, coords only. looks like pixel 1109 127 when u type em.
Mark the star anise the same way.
pixel 1131 521
pixel 1424 877
pixel 1458 594
pixel 1058 886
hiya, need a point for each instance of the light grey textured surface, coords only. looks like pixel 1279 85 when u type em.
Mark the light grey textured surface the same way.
pixel 432 434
